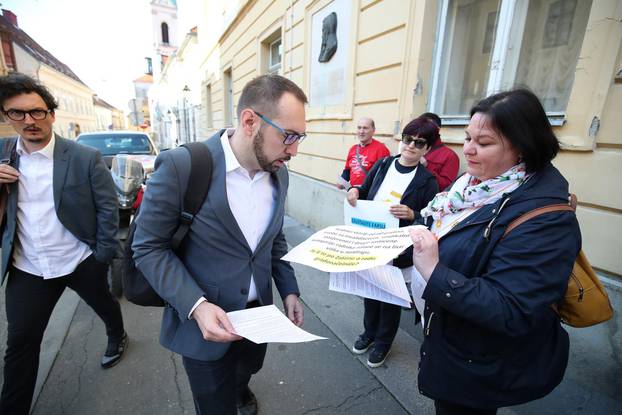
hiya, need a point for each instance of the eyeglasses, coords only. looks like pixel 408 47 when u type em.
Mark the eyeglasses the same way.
pixel 419 143
pixel 19 115
pixel 289 137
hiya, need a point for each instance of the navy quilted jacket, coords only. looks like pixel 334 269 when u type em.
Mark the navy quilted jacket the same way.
pixel 491 338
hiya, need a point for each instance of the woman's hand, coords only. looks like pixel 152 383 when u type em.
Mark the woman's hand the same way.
pixel 425 250
pixel 352 196
pixel 402 212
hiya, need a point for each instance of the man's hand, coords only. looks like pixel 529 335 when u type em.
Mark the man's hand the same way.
pixel 214 324
pixel 8 174
pixel 352 196
pixel 293 309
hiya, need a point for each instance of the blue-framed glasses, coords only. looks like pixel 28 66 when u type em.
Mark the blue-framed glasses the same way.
pixel 289 137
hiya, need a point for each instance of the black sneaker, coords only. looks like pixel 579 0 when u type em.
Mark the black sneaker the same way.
pixel 114 351
pixel 362 344
pixel 377 356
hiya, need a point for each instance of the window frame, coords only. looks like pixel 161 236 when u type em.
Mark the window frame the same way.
pixel 509 11
pixel 275 68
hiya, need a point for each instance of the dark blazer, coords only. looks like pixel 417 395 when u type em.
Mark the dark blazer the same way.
pixel 215 260
pixel 492 338
pixel 84 197
pixel 422 188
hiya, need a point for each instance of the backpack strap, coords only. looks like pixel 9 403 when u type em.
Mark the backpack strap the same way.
pixel 198 186
pixel 571 206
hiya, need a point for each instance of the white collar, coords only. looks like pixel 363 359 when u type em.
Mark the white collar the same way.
pixel 47 151
pixel 231 162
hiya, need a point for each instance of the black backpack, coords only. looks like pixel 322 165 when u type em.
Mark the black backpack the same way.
pixel 135 286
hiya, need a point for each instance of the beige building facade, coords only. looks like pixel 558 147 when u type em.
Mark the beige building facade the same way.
pixel 395 59
pixel 75 113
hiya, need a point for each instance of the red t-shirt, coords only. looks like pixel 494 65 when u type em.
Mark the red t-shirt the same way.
pixel 369 155
pixel 443 163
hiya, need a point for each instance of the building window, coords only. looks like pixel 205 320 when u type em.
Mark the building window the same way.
pixel 8 53
pixel 486 46
pixel 275 56
pixel 164 28
pixel 270 51
pixel 228 89
pixel 558 24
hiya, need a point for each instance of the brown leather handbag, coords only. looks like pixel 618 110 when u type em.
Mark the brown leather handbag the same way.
pixel 586 302
pixel 4 197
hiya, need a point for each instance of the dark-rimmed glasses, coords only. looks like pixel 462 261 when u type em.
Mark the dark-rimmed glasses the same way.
pixel 19 115
pixel 289 137
pixel 419 142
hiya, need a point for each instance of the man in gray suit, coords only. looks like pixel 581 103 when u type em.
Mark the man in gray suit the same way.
pixel 232 251
pixel 59 230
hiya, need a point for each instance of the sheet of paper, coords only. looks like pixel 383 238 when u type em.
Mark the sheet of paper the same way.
pixel 417 286
pixel 369 214
pixel 268 325
pixel 350 248
pixel 384 283
pixel 346 184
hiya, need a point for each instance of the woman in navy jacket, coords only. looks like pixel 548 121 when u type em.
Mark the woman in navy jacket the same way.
pixel 491 338
pixel 402 181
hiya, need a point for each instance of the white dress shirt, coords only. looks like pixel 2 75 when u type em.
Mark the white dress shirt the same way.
pixel 251 200
pixel 43 247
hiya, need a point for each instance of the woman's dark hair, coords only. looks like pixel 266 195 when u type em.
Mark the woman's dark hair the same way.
pixel 16 83
pixel 423 127
pixel 519 116
pixel 434 117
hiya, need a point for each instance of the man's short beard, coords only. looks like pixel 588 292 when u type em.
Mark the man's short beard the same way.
pixel 264 163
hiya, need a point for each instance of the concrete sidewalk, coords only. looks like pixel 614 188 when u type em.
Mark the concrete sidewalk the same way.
pixel 592 384
pixel 321 377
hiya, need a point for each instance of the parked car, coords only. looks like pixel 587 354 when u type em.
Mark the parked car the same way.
pixel 130 156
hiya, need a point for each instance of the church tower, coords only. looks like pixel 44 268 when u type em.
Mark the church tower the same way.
pixel 164 29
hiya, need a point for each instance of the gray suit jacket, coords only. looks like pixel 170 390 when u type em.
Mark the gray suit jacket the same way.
pixel 214 260
pixel 84 197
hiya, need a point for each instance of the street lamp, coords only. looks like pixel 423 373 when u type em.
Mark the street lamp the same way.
pixel 186 91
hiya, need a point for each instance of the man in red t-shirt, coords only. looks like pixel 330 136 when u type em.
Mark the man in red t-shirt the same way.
pixel 362 156
pixel 440 160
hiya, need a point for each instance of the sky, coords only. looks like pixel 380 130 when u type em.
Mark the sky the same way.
pixel 104 42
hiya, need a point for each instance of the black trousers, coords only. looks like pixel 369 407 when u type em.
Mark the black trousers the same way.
pixel 29 303
pixel 381 321
pixel 448 408
pixel 215 385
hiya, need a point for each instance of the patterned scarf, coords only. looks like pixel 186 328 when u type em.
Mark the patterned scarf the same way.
pixel 469 194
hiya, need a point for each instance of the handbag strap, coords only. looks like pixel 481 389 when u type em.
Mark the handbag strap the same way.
pixel 8 150
pixel 571 206
pixel 358 158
